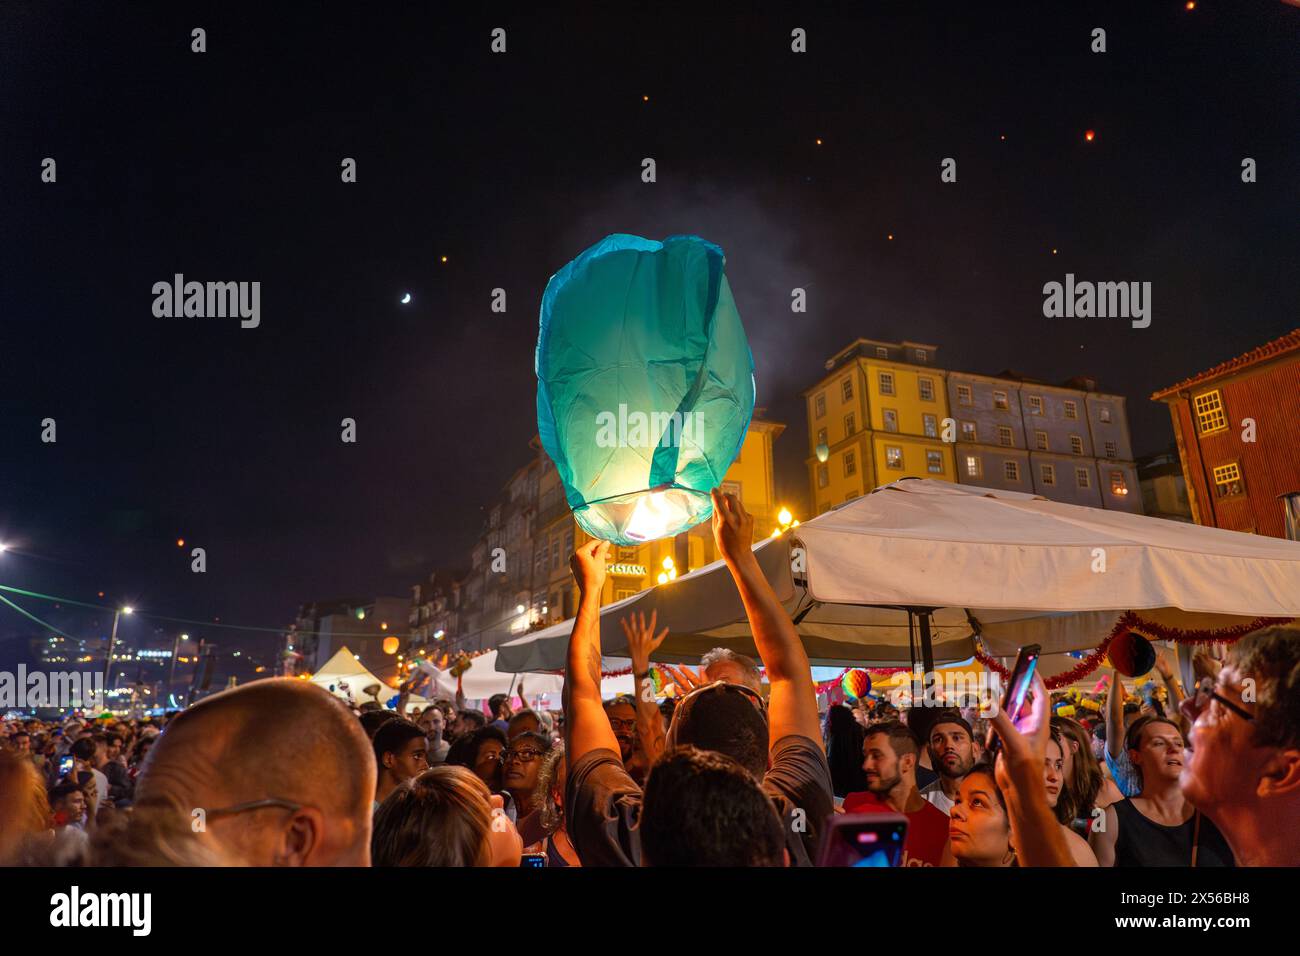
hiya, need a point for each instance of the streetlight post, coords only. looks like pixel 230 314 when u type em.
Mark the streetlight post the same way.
pixel 108 656
pixel 171 669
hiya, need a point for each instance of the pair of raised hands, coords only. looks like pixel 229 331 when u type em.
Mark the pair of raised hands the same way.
pixel 733 532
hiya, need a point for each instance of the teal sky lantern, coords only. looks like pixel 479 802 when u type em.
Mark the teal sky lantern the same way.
pixel 645 384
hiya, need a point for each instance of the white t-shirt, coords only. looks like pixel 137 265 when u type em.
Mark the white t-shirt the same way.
pixel 935 795
pixel 101 787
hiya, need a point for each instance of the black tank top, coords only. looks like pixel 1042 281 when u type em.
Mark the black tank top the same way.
pixel 1143 842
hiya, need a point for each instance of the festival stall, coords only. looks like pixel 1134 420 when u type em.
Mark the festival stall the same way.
pixel 345 676
pixel 482 680
pixel 928 572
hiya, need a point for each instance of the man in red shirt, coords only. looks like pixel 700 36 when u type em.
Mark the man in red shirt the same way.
pixel 889 762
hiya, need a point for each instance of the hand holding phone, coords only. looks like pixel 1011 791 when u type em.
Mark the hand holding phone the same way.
pixel 863 840
pixel 1013 700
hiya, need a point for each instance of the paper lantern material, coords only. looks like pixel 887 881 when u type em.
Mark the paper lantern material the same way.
pixel 645 384
pixel 1132 654
pixel 856 684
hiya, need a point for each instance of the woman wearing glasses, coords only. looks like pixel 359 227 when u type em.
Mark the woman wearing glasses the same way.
pixel 520 763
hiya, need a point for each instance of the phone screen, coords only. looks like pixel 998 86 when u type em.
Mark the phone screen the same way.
pixel 533 860
pixel 863 840
pixel 1013 701
pixel 65 765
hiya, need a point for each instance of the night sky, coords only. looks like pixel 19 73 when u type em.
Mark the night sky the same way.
pixel 225 166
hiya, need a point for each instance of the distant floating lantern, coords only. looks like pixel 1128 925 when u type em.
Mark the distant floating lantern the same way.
pixel 1090 135
pixel 390 645
pixel 645 384
pixel 823 451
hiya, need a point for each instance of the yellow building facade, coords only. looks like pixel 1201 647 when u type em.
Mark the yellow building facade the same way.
pixel 876 416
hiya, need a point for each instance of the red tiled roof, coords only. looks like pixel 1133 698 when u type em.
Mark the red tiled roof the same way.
pixel 1280 346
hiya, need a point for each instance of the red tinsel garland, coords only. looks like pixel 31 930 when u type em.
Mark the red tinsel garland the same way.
pixel 1130 621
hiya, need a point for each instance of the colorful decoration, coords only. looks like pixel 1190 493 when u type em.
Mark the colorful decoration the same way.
pixel 856 683
pixel 645 384
pixel 461 664
pixel 1129 621
pixel 1131 654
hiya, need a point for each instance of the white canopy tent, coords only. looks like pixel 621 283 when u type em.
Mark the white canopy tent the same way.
pixel 345 676
pixel 923 565
pixel 483 680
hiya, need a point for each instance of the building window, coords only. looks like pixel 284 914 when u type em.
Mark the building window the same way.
pixel 1111 451
pixel 920 355
pixel 1040 440
pixel 1103 413
pixel 850 464
pixel 1081 478
pixel 1048 474
pixel 1210 415
pixel 1000 400
pixel 1071 409
pixel 968 431
pixel 823 476
pixel 882 352
pixel 964 395
pixel 926 386
pixel 1227 480
pixel 852 494
pixel 934 462
pixel 1076 444
pixel 1035 404
pixel 893 457
pixel 819 405
pixel 886 383
pixel 623 593
pixel 627 555
pixel 846 390
pixel 1011 470
pixel 931 426
pixel 555 553
pixel 821 436
pixel 1004 436
pixel 891 419
pixel 1118 486
pixel 850 424
pixel 973 469
pixel 568 543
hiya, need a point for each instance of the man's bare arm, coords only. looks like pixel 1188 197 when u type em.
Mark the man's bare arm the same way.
pixel 792 708
pixel 641 643
pixel 586 727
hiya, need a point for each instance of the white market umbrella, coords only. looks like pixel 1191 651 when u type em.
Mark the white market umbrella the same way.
pixel 955 560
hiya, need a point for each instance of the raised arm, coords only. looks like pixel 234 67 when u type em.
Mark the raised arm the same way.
pixel 1114 715
pixel 586 728
pixel 641 643
pixel 792 708
pixel 1037 837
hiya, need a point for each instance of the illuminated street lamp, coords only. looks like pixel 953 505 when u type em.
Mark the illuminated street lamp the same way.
pixel 112 642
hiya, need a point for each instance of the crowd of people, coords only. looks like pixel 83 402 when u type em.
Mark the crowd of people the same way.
pixel 739 768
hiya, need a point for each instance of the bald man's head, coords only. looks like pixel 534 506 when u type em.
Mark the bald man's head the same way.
pixel 273 740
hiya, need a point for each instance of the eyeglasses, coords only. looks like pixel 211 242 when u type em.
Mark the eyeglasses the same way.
pixel 620 724
pixel 523 756
pixel 1235 708
pixel 255 805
